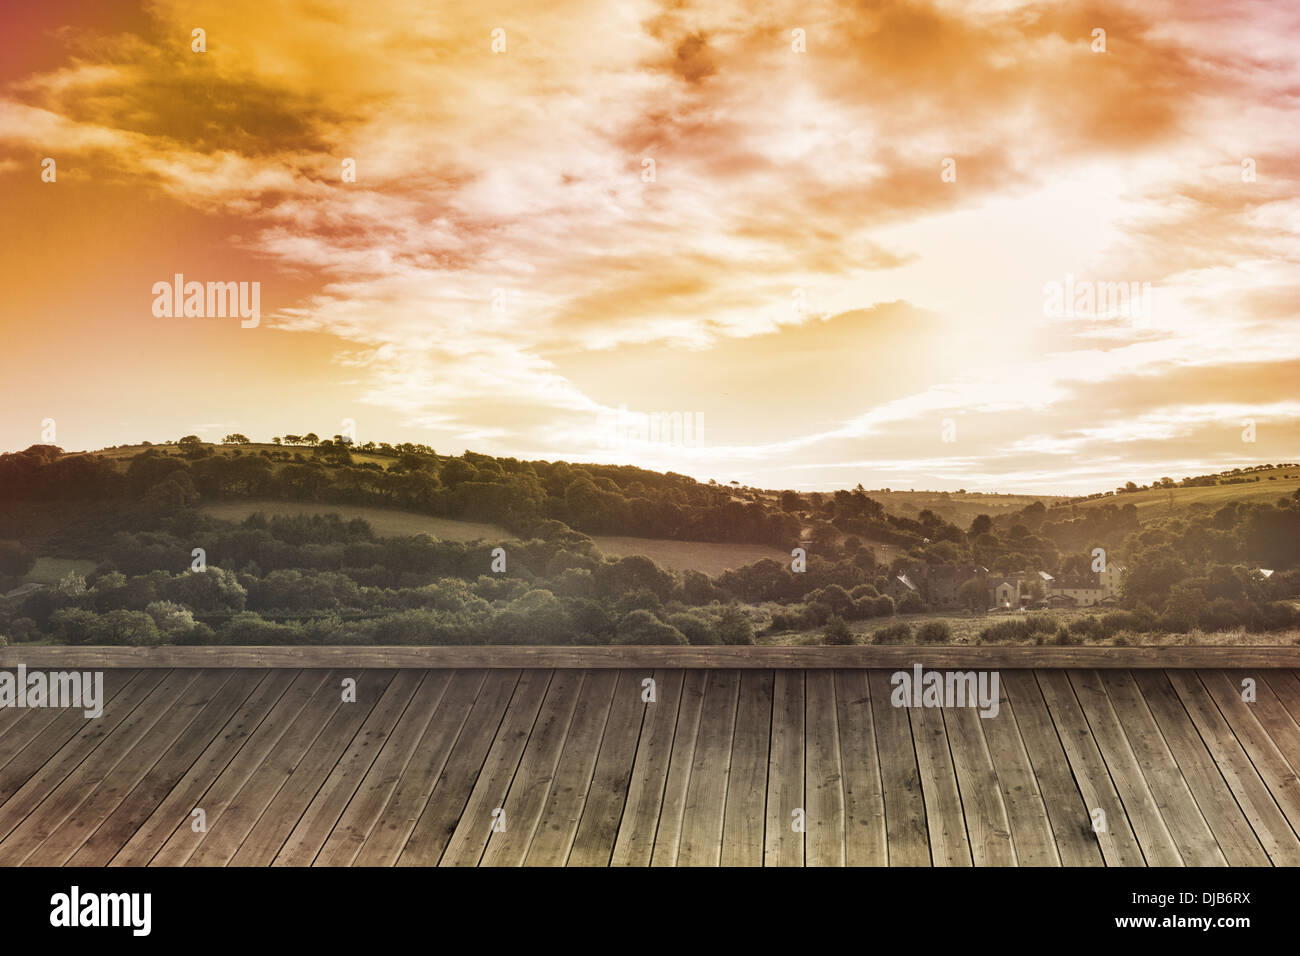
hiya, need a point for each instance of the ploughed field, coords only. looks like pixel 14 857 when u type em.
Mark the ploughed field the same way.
pixel 707 557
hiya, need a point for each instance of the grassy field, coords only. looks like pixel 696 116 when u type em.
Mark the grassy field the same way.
pixel 706 557
pixel 1154 502
pixel 955 507
pixel 53 570
pixel 388 523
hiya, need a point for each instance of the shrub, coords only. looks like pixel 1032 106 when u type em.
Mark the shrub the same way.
pixel 72 625
pixel 897 633
pixel 1018 628
pixel 911 603
pixel 1089 627
pixel 933 632
pixel 1065 638
pixel 838 632
pixel 734 627
pixel 642 627
pixel 1135 621
pixel 817 613
pixel 792 617
pixel 698 629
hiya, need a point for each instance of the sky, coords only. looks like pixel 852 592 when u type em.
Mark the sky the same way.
pixel 849 242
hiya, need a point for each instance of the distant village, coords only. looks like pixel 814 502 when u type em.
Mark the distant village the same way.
pixel 947 587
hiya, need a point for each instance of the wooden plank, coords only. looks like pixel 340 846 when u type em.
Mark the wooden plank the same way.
pixel 907 829
pixel 176 806
pixel 64 799
pixel 865 833
pixel 219 792
pixel 742 831
pixel 520 786
pixel 1275 755
pixel 249 783
pixel 1184 820
pixel 151 766
pixel 291 793
pixel 1271 710
pixel 706 794
pixel 35 772
pixel 634 845
pixel 949 843
pixel 988 830
pixel 1066 807
pixel 570 656
pixel 1026 812
pixel 823 775
pixel 1108 778
pixel 71 727
pixel 1232 760
pixel 558 825
pixel 668 835
pixel 1195 767
pixel 347 773
pixel 1084 690
pixel 593 845
pixel 1286 685
pixel 55 726
pixel 517 785
pixel 365 810
pixel 469 829
pixel 782 845
pixel 437 804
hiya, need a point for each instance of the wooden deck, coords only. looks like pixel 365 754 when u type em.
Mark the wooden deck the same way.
pixel 572 767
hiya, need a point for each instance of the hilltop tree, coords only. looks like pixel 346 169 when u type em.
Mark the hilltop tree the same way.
pixel 234 438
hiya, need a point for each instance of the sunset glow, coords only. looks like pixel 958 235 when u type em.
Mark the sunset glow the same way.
pixel 666 208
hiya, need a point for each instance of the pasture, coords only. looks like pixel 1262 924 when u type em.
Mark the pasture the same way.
pixel 707 557
pixel 1153 502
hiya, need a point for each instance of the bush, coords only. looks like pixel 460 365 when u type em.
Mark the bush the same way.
pixel 837 632
pixel 734 627
pixel 1135 621
pixel 697 629
pixel 933 632
pixel 72 625
pixel 1018 629
pixel 790 618
pixel 898 633
pixel 911 603
pixel 817 613
pixel 1089 627
pixel 642 627
pixel 1065 638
